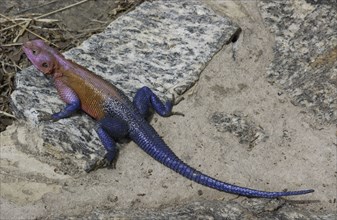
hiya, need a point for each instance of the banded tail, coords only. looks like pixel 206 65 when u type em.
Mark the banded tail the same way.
pixel 147 139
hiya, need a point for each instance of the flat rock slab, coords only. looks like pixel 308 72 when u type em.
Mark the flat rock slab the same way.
pixel 161 44
pixel 305 63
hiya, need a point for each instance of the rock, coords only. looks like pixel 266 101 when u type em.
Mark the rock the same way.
pixel 161 44
pixel 124 194
pixel 241 126
pixel 305 53
pixel 251 209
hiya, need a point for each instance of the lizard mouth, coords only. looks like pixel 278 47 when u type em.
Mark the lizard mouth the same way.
pixel 26 49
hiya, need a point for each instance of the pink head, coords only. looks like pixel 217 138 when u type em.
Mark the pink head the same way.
pixel 41 55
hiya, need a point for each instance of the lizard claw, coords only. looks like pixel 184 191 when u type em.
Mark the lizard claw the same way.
pixel 46 117
pixel 96 164
pixel 175 101
pixel 100 163
pixel 177 113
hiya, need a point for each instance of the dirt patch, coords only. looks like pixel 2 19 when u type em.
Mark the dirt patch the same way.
pixel 65 24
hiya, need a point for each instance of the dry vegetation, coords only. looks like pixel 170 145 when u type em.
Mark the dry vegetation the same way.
pixel 30 23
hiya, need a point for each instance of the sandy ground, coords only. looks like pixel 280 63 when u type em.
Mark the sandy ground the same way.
pixel 298 154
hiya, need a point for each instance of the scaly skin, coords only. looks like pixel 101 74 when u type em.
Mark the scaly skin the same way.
pixel 118 117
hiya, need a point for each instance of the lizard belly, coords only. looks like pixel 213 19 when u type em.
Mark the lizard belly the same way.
pixel 92 107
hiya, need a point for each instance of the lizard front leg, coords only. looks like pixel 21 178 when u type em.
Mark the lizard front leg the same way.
pixel 70 97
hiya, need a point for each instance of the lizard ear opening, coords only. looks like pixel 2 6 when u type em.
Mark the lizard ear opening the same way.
pixel 46 67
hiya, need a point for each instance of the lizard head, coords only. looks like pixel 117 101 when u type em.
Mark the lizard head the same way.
pixel 40 54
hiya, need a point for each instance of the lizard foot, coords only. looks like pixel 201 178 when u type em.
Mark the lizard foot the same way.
pixel 43 116
pixel 101 163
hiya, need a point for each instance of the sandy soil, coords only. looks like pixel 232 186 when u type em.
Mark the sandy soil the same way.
pixel 298 153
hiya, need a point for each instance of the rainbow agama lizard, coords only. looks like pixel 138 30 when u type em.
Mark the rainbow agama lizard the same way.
pixel 117 116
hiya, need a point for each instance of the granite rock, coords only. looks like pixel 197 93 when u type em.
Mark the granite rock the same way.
pixel 249 209
pixel 305 63
pixel 81 202
pixel 241 126
pixel 161 44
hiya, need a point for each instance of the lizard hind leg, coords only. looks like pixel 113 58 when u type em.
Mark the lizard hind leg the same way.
pixel 107 130
pixel 114 126
pixel 146 99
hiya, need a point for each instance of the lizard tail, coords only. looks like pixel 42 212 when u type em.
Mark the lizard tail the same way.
pixel 152 144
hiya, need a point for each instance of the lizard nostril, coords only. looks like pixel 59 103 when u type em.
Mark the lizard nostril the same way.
pixel 45 65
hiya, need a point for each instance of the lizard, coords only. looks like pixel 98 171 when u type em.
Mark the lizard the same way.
pixel 117 116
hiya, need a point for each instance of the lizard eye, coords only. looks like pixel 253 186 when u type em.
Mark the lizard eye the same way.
pixel 34 52
pixel 45 65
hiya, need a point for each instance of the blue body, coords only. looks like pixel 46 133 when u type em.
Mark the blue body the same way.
pixel 126 119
